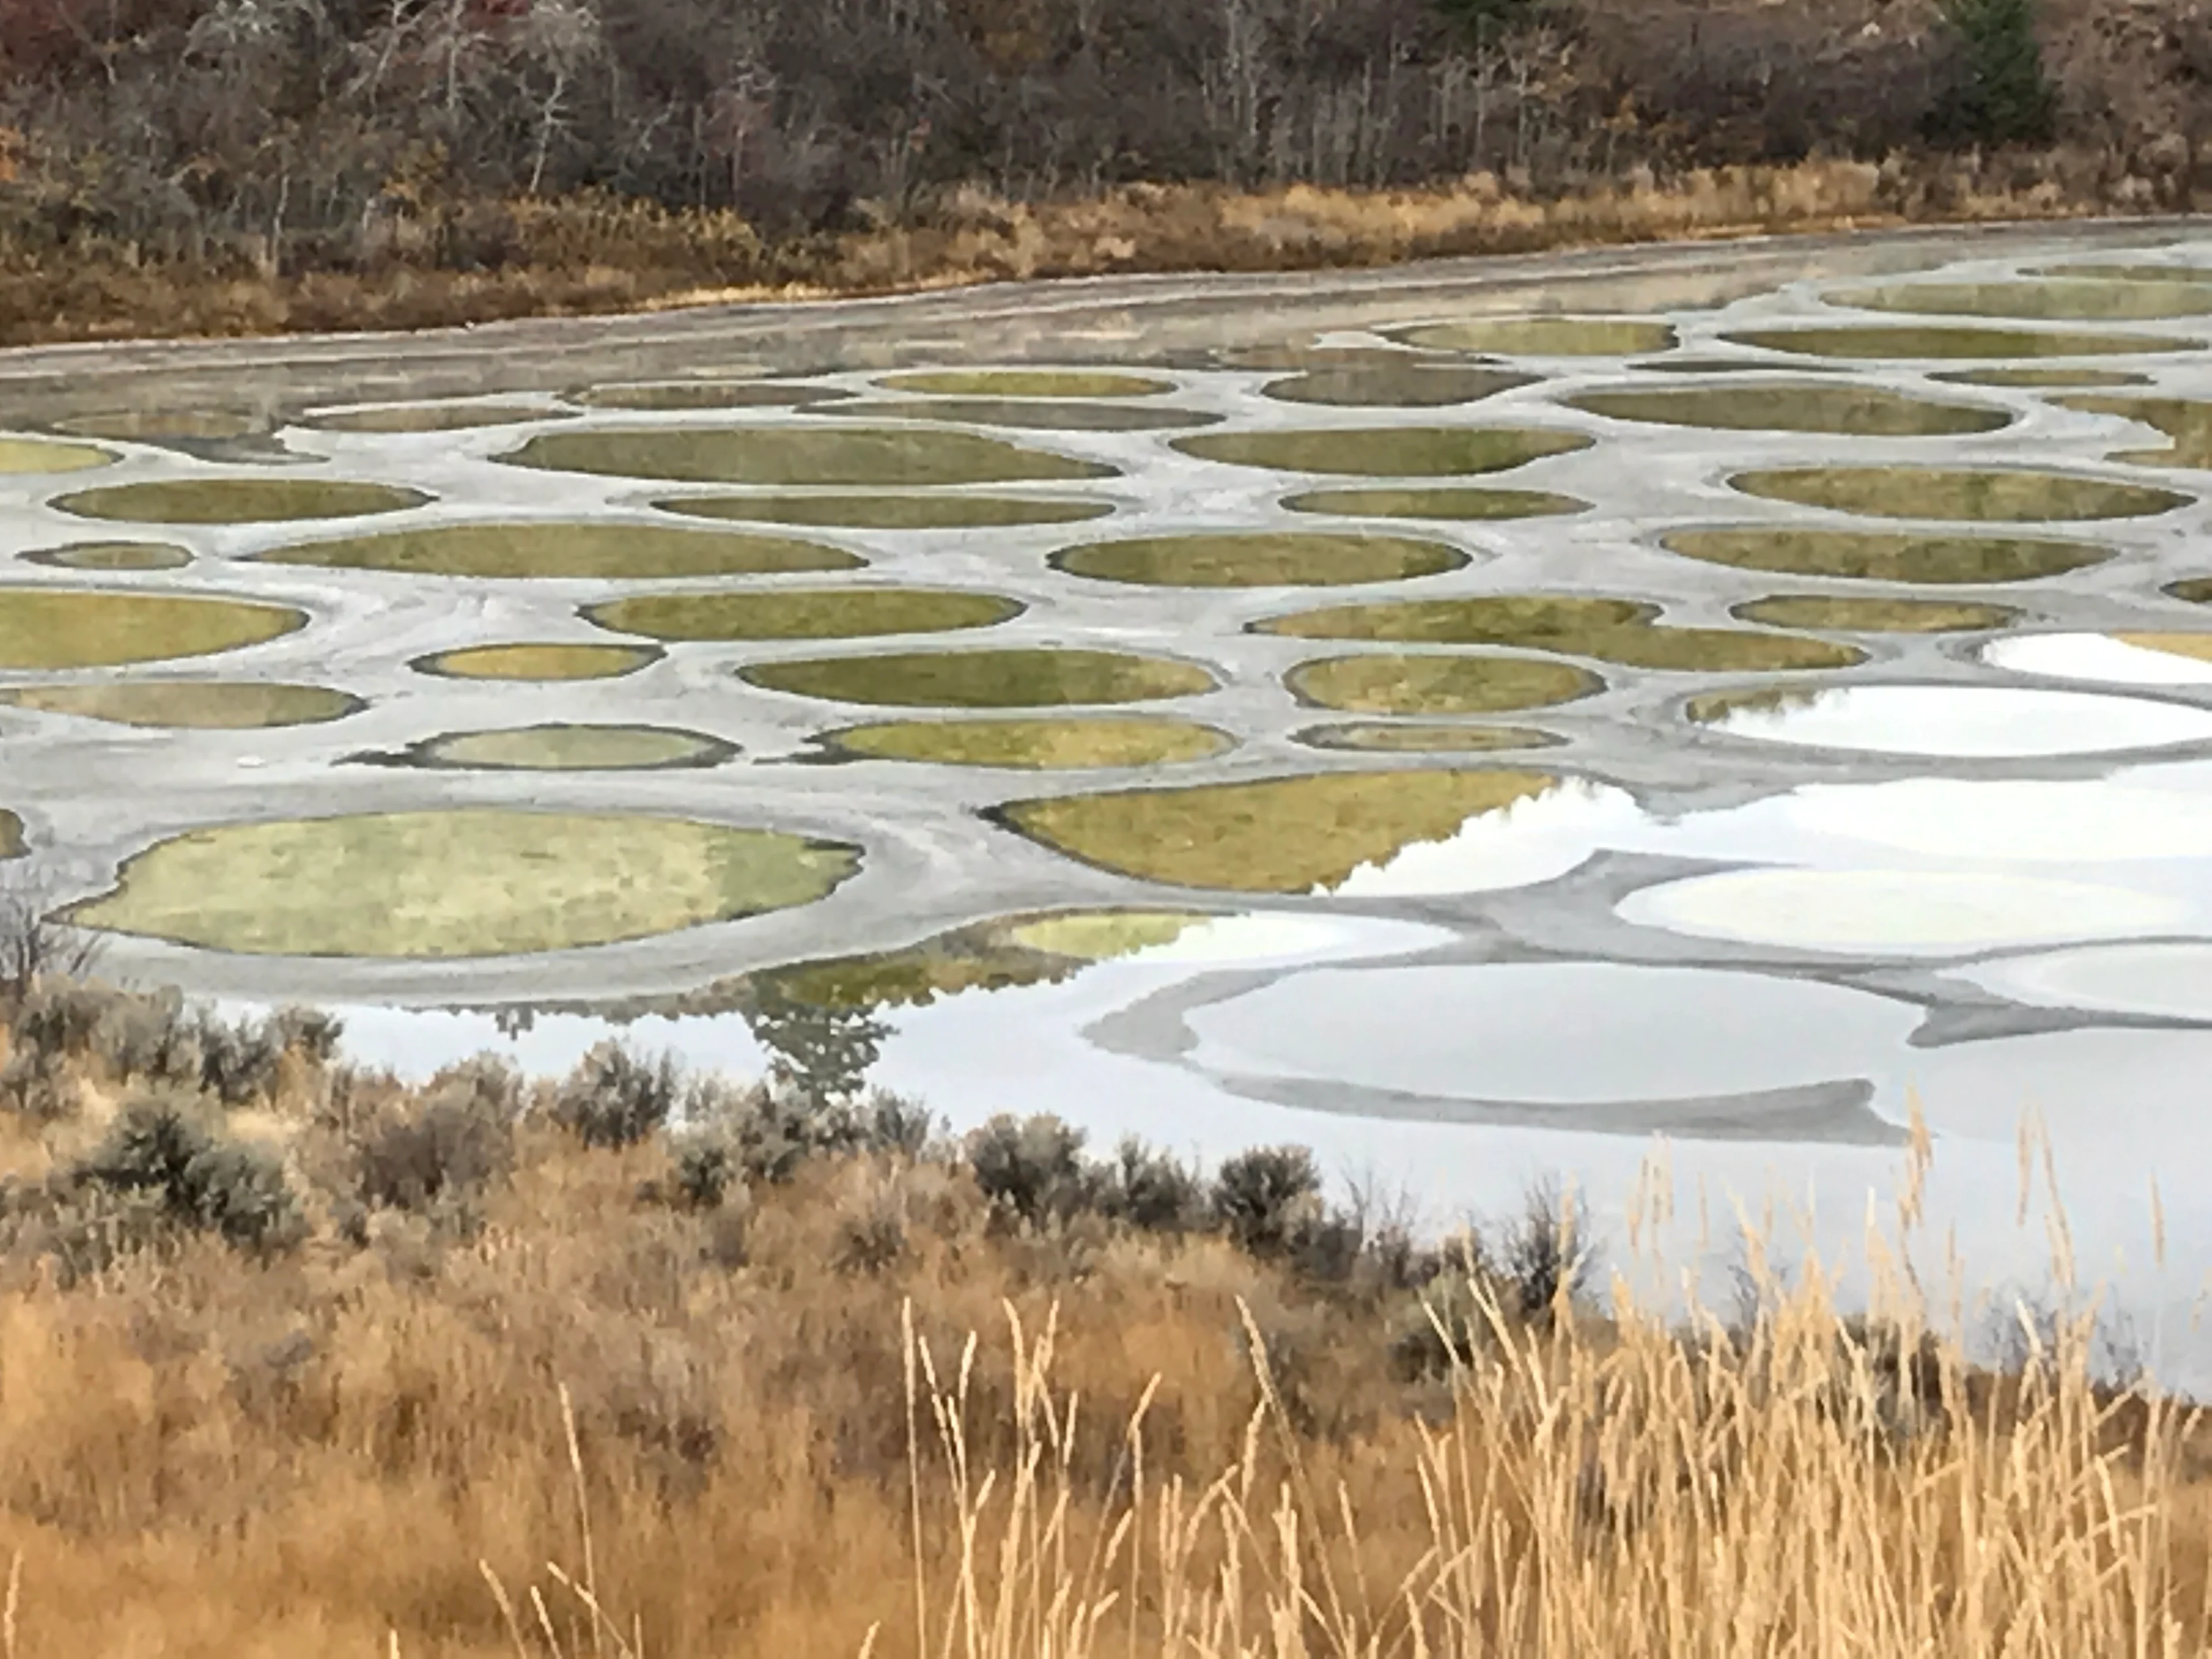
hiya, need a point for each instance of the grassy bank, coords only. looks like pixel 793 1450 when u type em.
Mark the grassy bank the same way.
pixel 299 1359
pixel 595 254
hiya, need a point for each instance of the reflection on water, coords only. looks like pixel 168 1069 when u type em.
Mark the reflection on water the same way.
pixel 1441 451
pixel 825 613
pixel 847 456
pixel 2116 658
pixel 1873 556
pixel 1259 559
pixel 984 680
pixel 551 548
pixel 199 705
pixel 1902 912
pixel 1962 720
pixel 2164 981
pixel 1296 835
pixel 458 883
pixel 46 628
pixel 1857 411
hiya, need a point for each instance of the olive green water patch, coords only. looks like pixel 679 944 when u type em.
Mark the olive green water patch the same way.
pixel 2197 590
pixel 48 628
pixel 826 613
pixel 1385 452
pixel 1907 342
pixel 2029 379
pixel 1390 683
pixel 1259 558
pixel 1470 503
pixel 2189 425
pixel 601 550
pixel 1854 615
pixel 441 885
pixel 1731 366
pixel 777 455
pixel 893 512
pixel 1855 411
pixel 2198 646
pixel 1545 336
pixel 994 954
pixel 539 662
pixel 112 556
pixel 2077 300
pixel 650 395
pixel 238 500
pixel 41 455
pixel 1622 631
pixel 432 417
pixel 1917 492
pixel 206 705
pixel 1025 383
pixel 1881 556
pixel 1713 708
pixel 1037 679
pixel 1036 744
pixel 1038 416
pixel 1291 834
pixel 1398 385
pixel 573 749
pixel 157 425
pixel 11 835
pixel 1422 738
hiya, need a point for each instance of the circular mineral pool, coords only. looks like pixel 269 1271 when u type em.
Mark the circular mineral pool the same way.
pixel 789 456
pixel 1259 559
pixel 2114 659
pixel 984 680
pixel 1035 744
pixel 825 613
pixel 573 749
pixel 1389 682
pixel 26 455
pixel 238 500
pixel 1991 496
pixel 1885 556
pixel 1545 336
pixel 1385 452
pixel 441 885
pixel 549 661
pixel 201 705
pixel 112 557
pixel 1847 411
pixel 44 627
pixel 553 548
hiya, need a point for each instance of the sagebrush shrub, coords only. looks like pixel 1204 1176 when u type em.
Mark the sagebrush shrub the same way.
pixel 616 1099
pixel 1263 1198
pixel 1033 1167
pixel 456 1136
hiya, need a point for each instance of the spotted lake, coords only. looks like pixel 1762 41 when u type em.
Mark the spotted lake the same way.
pixel 1666 715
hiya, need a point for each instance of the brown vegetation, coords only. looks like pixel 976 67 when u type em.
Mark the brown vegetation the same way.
pixel 218 167
pixel 293 1359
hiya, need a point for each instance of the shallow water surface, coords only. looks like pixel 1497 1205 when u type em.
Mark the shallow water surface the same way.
pixel 2073 298
pixel 1966 720
pixel 1470 503
pixel 570 749
pixel 1908 343
pixel 27 455
pixel 1039 414
pixel 1852 614
pixel 1545 336
pixel 1395 386
pixel 892 512
pixel 1422 738
pixel 1919 492
pixel 1388 682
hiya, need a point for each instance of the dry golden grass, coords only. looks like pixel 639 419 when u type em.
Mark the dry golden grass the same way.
pixel 573 1420
pixel 596 254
